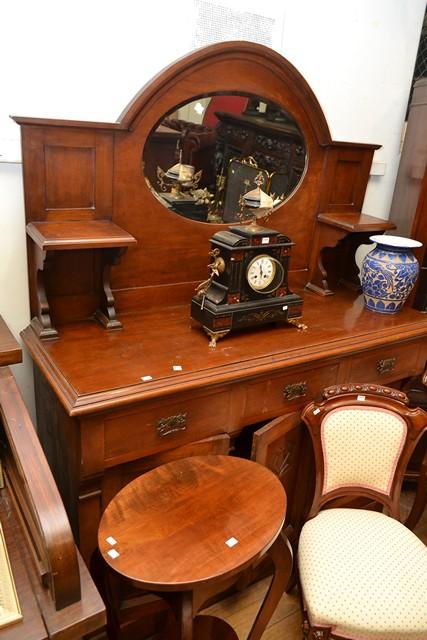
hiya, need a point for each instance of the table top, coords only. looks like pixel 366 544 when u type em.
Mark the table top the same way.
pixel 191 521
pixel 158 352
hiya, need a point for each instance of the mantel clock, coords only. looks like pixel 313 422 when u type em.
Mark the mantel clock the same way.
pixel 248 284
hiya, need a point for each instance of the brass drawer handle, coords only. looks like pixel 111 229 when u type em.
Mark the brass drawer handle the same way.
pixel 296 390
pixel 172 424
pixel 386 365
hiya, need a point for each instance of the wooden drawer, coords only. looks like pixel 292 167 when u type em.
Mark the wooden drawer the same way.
pixel 272 396
pixel 160 425
pixel 385 365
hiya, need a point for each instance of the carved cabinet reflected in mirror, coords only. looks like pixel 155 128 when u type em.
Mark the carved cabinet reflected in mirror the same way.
pixel 203 156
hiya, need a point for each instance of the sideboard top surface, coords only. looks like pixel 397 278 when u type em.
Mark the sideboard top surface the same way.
pixel 10 350
pixel 93 370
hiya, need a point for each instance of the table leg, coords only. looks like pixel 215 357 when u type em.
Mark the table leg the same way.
pixel 281 554
pixel 181 603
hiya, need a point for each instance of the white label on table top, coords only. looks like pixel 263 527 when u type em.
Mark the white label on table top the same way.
pixel 111 540
pixel 113 553
pixel 316 411
pixel 361 398
pixel 146 378
pixel 177 367
pixel 265 240
pixel 231 542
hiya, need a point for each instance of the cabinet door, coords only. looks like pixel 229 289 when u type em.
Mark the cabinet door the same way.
pixel 277 446
pixel 119 476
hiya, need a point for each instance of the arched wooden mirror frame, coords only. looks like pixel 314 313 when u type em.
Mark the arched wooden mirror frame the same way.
pixel 84 171
pixel 173 249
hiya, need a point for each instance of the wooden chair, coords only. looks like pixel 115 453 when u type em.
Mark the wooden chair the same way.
pixel 362 573
pixel 416 390
pixel 188 529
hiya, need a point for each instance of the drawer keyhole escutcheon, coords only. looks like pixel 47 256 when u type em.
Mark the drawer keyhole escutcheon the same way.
pixel 296 390
pixel 386 365
pixel 172 424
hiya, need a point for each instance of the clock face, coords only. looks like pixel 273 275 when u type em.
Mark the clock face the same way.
pixel 261 273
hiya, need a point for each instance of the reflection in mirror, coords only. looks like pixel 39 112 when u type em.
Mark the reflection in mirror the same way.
pixel 203 157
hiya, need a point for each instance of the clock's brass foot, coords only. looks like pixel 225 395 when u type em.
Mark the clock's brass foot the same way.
pixel 296 323
pixel 215 335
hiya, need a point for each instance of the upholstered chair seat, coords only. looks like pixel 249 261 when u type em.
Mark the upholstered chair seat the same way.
pixel 362 573
pixel 364 576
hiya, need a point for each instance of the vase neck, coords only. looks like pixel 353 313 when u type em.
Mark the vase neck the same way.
pixel 383 246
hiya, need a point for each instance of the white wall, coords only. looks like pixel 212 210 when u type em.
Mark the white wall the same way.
pixel 361 73
pixel 85 60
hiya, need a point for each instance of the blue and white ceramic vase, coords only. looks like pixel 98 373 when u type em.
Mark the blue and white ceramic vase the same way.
pixel 388 273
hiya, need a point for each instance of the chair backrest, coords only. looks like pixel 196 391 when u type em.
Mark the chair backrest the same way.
pixel 363 436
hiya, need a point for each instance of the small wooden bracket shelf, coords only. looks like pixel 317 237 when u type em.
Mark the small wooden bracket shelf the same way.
pixel 75 235
pixel 340 233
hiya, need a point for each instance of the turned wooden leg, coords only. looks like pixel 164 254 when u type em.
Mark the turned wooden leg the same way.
pixel 281 554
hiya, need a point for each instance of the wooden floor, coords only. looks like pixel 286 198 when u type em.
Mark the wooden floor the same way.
pixel 240 609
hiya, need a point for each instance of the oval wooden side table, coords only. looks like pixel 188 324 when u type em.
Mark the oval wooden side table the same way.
pixel 187 529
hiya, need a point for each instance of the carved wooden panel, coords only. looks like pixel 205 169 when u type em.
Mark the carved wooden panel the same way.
pixel 277 446
pixel 70 172
pixel 70 177
pixel 347 173
pixel 343 191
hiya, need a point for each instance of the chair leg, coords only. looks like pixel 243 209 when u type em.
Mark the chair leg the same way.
pixel 317 633
pixel 281 554
pixel 314 633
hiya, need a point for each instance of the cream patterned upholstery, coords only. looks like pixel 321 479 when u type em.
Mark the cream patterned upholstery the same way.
pixel 365 575
pixel 361 446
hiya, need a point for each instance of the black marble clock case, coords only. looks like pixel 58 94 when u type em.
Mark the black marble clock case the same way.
pixel 230 302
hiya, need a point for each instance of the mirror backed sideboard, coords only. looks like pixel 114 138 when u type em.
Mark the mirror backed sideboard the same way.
pixel 124 382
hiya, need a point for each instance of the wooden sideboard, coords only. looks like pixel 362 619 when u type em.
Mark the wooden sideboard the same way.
pixel 114 402
pixel 101 424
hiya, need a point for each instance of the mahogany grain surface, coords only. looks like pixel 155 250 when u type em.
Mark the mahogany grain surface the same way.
pixel 93 369
pixel 355 222
pixel 172 523
pixel 10 351
pixel 92 234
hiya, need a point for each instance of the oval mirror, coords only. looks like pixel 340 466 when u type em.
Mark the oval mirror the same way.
pixel 205 156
